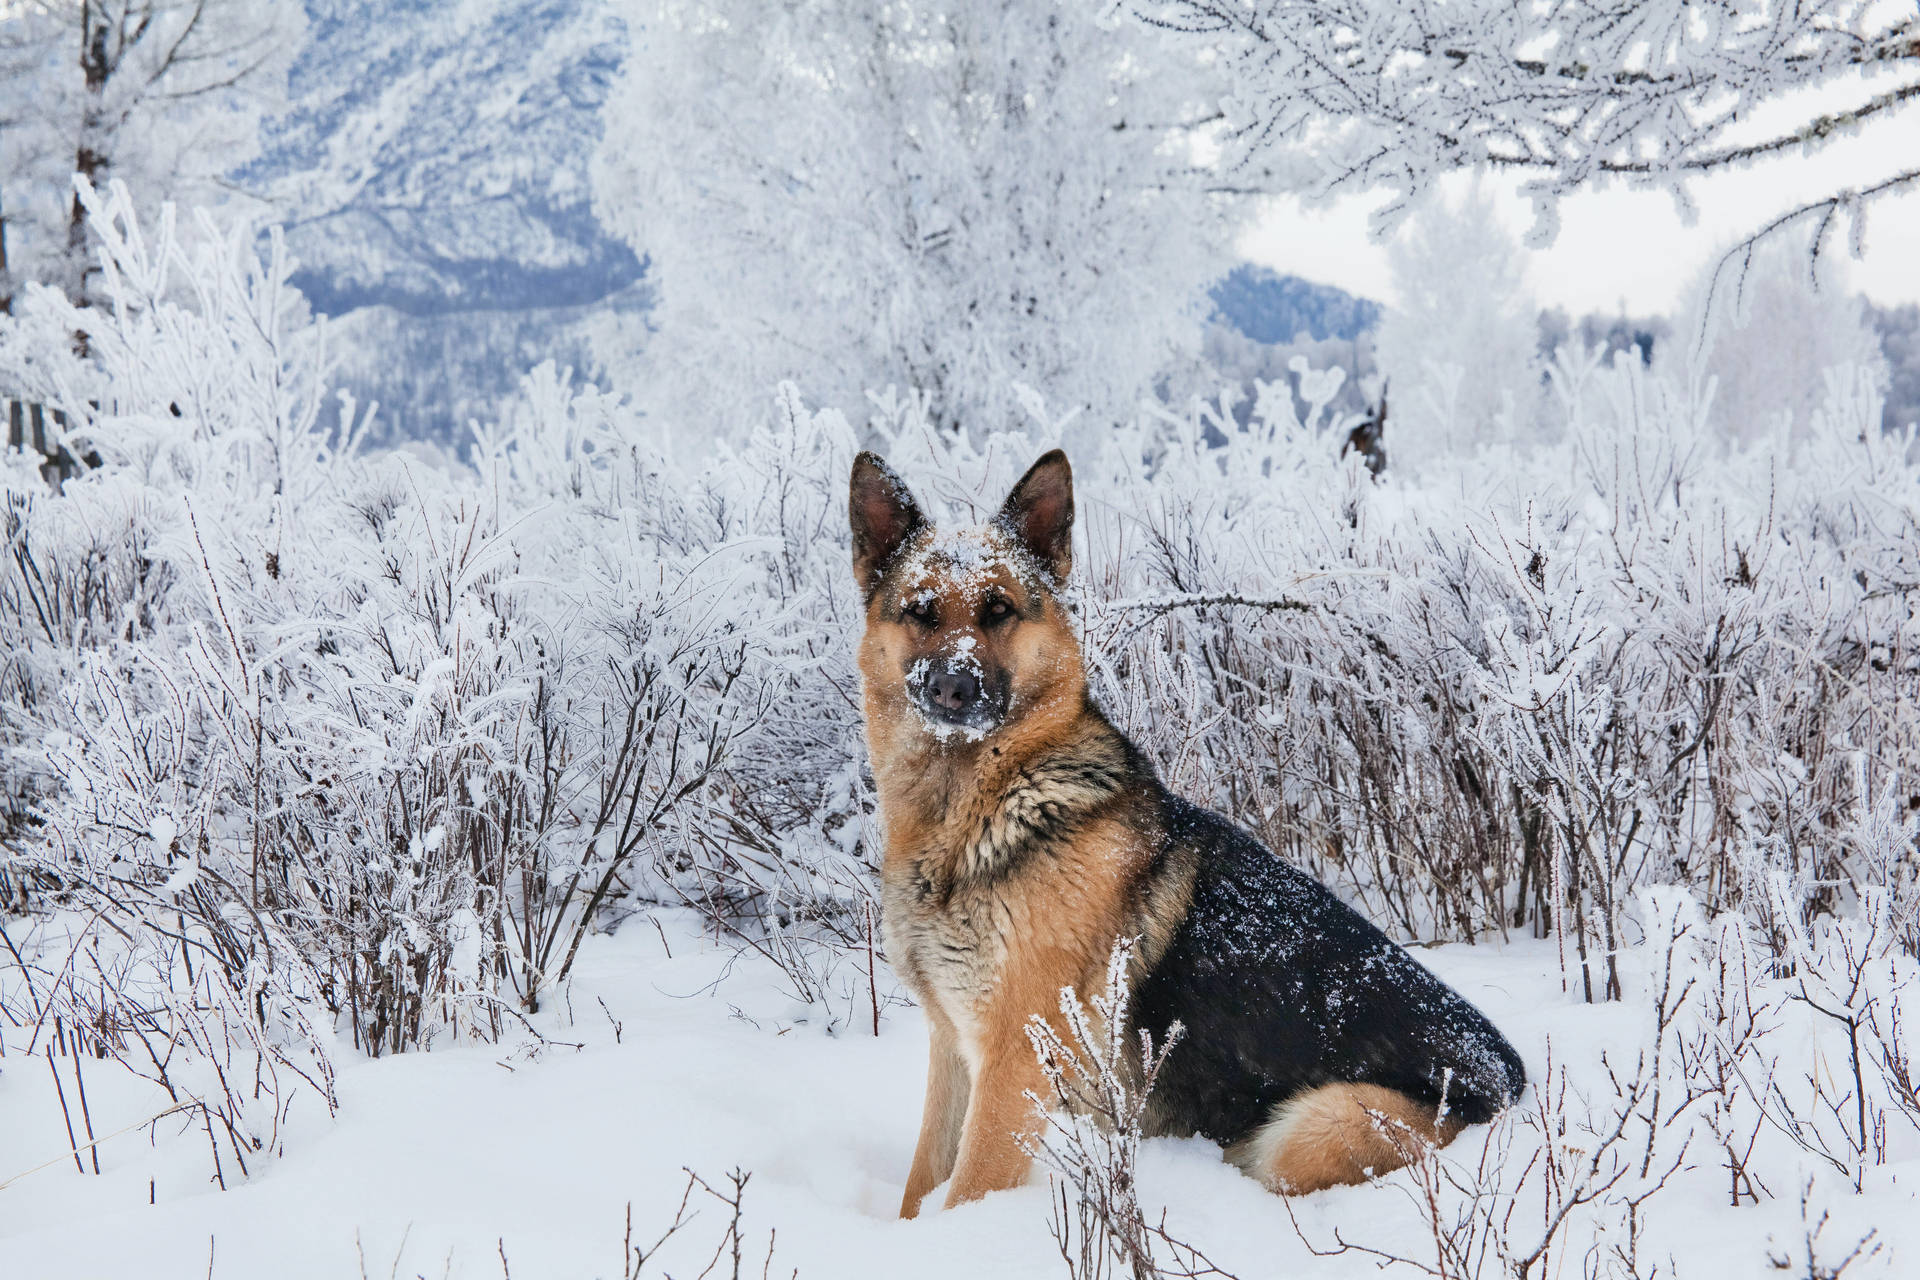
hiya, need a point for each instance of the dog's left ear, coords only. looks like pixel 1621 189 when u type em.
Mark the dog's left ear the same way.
pixel 1039 513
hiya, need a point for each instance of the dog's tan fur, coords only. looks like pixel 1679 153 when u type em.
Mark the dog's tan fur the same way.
pixel 1340 1135
pixel 985 920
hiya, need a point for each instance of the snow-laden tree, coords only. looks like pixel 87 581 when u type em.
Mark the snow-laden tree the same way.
pixel 1458 346
pixel 950 200
pixel 165 95
pixel 1334 96
pixel 1772 350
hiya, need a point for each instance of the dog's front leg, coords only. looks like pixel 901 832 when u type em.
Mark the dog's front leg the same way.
pixel 997 1116
pixel 946 1110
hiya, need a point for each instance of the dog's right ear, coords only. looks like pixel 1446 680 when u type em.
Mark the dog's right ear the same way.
pixel 1039 512
pixel 883 514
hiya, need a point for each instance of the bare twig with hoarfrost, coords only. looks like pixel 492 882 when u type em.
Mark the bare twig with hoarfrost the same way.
pixel 1847 982
pixel 1562 94
pixel 1810 1258
pixel 1099 1080
pixel 1567 1179
pixel 729 1253
pixel 163 93
pixel 1349 96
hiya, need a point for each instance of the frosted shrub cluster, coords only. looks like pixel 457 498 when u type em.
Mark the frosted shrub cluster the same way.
pixel 1750 1078
pixel 301 741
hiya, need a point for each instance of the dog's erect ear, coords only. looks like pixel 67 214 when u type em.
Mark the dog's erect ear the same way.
pixel 883 514
pixel 1039 512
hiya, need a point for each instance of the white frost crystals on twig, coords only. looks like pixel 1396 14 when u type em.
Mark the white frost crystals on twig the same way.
pixel 1379 95
pixel 1099 1079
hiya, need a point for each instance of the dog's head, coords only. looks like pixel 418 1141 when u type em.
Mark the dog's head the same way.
pixel 964 630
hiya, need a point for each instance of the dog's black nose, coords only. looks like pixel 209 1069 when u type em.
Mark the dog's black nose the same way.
pixel 954 690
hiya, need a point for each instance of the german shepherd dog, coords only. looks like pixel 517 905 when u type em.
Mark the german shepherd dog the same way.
pixel 1024 834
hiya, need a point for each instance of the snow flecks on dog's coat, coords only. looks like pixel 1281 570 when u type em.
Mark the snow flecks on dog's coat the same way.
pixel 1024 834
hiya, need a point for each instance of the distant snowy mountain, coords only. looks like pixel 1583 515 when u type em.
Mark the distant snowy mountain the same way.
pixel 432 175
pixel 1270 308
pixel 436 155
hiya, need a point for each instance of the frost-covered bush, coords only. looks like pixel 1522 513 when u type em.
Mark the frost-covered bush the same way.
pixel 1507 696
pixel 299 740
pixel 371 745
pixel 1744 1080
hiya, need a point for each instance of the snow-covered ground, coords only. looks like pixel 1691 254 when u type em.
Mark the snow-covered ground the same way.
pixel 440 1162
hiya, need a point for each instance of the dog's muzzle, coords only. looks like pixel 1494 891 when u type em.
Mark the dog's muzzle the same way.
pixel 954 693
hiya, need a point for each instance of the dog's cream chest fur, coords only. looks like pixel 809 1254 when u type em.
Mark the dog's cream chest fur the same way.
pixel 951 953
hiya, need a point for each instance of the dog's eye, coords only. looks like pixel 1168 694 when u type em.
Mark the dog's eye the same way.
pixel 920 611
pixel 998 611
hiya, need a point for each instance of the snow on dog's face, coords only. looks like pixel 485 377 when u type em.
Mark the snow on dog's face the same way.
pixel 963 630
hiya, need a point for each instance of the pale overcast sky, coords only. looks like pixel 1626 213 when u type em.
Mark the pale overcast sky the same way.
pixel 1630 248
